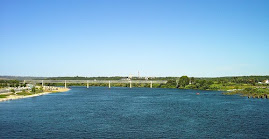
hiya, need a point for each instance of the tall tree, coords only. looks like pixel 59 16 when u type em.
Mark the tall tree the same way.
pixel 192 80
pixel 183 81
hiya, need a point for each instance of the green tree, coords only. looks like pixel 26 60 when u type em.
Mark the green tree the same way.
pixel 183 81
pixel 33 89
pixel 171 83
pixel 192 80
pixel 41 89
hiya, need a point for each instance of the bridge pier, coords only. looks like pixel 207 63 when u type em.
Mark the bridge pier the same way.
pixel 87 84
pixel 109 84
pixel 150 84
pixel 64 83
pixel 130 84
pixel 42 83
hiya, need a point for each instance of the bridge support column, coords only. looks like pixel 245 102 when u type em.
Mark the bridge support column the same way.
pixel 109 84
pixel 23 81
pixel 64 83
pixel 87 84
pixel 130 84
pixel 42 83
pixel 150 84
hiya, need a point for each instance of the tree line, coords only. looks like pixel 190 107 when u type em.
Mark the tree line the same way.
pixel 185 82
pixel 11 83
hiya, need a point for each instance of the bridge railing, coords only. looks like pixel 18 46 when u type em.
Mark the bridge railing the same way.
pixel 95 81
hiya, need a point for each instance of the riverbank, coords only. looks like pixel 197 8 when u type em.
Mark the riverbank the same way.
pixel 13 96
pixel 251 92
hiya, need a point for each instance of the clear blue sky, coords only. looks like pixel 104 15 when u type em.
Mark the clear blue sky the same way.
pixel 205 38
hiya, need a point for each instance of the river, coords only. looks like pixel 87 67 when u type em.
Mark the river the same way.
pixel 100 112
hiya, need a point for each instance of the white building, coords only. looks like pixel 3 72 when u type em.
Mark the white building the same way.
pixel 266 81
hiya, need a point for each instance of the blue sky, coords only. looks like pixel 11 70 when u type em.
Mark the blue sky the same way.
pixel 206 38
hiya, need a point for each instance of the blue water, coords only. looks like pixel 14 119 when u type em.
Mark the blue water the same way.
pixel 100 112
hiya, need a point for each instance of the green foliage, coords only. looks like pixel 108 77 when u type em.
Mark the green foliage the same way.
pixel 12 90
pixel 8 83
pixel 183 81
pixel 238 80
pixel 3 96
pixel 170 84
pixel 190 86
pixel 33 89
pixel 24 93
pixel 215 86
pixel 41 89
pixel 253 92
pixel 192 80
pixel 17 85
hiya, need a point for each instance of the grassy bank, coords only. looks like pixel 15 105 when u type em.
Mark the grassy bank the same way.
pixel 30 93
pixel 3 96
pixel 251 92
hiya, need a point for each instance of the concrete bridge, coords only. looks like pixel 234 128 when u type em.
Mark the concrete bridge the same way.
pixel 109 82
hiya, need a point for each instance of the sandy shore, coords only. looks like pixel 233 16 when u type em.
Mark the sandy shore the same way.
pixel 13 97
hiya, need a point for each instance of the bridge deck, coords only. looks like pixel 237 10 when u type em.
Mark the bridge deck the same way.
pixel 96 81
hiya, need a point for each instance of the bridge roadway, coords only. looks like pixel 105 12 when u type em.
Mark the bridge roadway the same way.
pixel 109 82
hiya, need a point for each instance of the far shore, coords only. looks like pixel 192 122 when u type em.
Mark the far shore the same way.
pixel 14 97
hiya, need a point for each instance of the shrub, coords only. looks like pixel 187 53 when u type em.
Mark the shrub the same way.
pixel 190 86
pixel 12 90
pixel 33 89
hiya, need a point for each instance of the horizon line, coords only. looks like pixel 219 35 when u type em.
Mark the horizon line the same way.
pixel 128 76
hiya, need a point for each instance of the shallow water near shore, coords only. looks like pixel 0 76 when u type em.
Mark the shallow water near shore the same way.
pixel 100 112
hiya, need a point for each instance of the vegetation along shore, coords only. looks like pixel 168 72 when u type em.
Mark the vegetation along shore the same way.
pixel 250 86
pixel 30 92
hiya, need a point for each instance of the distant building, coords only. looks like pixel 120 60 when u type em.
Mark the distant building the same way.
pixel 266 81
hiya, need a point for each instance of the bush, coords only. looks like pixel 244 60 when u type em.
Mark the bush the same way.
pixel 33 89
pixel 190 86
pixel 3 96
pixel 12 90
pixel 215 87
